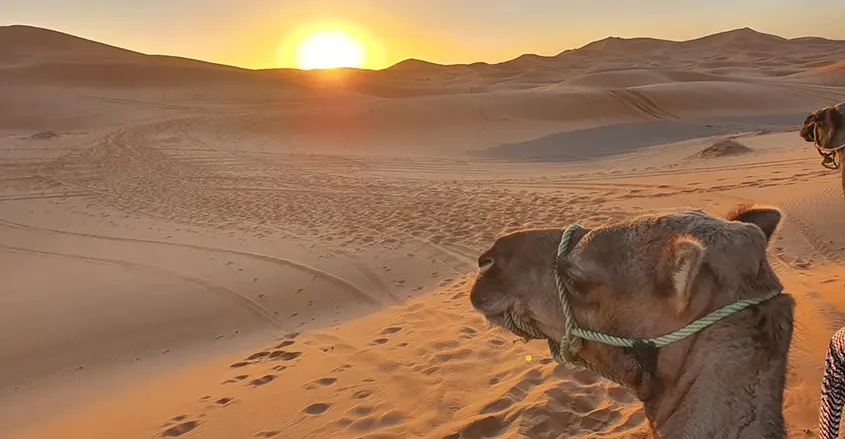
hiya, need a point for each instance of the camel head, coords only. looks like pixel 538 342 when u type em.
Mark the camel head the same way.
pixel 646 277
pixel 826 126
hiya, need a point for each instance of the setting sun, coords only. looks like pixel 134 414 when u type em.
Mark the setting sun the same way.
pixel 326 49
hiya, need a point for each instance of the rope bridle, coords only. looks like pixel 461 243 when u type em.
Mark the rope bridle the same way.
pixel 829 158
pixel 567 349
pixel 828 154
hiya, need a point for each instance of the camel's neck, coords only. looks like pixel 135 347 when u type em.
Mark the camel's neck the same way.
pixel 731 381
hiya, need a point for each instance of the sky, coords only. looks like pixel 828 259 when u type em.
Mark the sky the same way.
pixel 265 33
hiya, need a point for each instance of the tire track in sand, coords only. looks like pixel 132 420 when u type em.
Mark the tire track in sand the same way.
pixel 331 278
pixel 226 293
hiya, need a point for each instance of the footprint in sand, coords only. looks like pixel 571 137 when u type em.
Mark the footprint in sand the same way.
pixel 262 381
pixel 180 429
pixel 322 382
pixel 342 368
pixel 362 394
pixel 316 409
pixel 391 330
pixel 286 356
pixel 267 433
pixel 239 364
pixel 257 355
pixel 379 341
pixel 235 379
pixel 284 344
pixel 467 332
pixel 361 410
pixel 223 402
pixel 392 417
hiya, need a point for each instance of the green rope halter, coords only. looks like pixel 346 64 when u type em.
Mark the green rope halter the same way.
pixel 566 351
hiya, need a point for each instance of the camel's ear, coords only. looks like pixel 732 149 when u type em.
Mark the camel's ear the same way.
pixel 687 256
pixel 766 218
pixel 832 118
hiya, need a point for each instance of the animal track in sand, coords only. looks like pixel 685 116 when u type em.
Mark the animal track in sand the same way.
pixel 286 356
pixel 284 344
pixel 257 355
pixel 342 368
pixel 262 381
pixel 392 417
pixel 467 332
pixel 235 379
pixel 391 330
pixel 317 408
pixel 180 429
pixel 362 394
pixel 326 381
pixel 223 402
pixel 379 341
pixel 361 410
pixel 267 433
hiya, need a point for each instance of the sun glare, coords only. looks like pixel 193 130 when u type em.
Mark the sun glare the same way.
pixel 326 49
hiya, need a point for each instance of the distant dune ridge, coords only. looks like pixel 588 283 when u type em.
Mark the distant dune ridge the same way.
pixel 195 250
pixel 480 105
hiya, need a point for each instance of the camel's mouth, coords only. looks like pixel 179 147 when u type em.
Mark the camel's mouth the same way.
pixel 495 319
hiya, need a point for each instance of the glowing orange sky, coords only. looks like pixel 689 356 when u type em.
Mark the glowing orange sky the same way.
pixel 262 33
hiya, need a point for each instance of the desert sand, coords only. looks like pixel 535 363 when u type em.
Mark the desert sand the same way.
pixel 201 251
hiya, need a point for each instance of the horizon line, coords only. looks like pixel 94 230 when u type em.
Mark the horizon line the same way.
pixel 414 59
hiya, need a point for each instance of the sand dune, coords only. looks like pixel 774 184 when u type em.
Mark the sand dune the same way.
pixel 196 250
pixel 831 74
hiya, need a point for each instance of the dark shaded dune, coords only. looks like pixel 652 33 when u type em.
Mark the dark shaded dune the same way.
pixel 830 75
pixel 722 64
pixel 621 138
pixel 603 141
pixel 639 77
pixel 820 63
pixel 728 97
pixel 537 76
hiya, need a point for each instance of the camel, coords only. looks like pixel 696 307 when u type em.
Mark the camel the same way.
pixel 649 276
pixel 825 128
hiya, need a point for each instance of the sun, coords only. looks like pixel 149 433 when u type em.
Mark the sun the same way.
pixel 330 48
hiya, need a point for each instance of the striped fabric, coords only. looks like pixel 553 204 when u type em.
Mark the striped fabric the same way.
pixel 833 387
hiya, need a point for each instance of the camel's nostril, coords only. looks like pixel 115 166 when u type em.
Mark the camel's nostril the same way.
pixel 485 263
